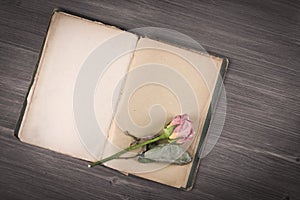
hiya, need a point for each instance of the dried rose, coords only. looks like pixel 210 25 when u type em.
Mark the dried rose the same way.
pixel 181 129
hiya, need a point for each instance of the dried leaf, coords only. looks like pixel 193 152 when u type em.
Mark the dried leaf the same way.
pixel 167 153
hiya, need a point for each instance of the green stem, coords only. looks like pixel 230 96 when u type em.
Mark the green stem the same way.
pixel 131 148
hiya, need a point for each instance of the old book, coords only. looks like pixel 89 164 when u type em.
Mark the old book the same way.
pixel 93 82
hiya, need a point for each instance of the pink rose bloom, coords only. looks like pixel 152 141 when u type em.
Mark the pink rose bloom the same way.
pixel 184 130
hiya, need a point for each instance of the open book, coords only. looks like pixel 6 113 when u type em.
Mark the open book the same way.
pixel 93 82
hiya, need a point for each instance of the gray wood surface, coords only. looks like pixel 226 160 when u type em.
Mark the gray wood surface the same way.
pixel 258 153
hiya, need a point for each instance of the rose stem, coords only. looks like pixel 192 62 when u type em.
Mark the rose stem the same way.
pixel 131 148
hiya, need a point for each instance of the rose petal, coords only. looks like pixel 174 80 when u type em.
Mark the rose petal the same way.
pixel 184 130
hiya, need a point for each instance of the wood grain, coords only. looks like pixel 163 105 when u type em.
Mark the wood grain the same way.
pixel 258 153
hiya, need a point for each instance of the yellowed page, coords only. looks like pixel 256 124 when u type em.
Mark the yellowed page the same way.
pixel 49 119
pixel 163 81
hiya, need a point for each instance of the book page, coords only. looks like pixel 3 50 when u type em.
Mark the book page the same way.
pixel 162 82
pixel 66 104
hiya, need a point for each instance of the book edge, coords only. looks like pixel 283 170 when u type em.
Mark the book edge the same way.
pixel 22 115
pixel 212 107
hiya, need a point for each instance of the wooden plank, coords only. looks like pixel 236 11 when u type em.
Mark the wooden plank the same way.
pixel 258 153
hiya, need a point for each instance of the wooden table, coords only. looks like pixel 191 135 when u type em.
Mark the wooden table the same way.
pixel 258 153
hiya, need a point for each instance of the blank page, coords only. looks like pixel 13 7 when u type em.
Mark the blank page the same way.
pixel 162 82
pixel 72 56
